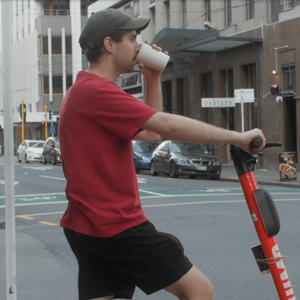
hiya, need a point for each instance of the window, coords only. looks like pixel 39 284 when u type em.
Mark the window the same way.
pixel 207 10
pixel 167 4
pixel 289 78
pixel 136 8
pixel 56 7
pixel 184 14
pixel 56 45
pixel 228 12
pixel 57 84
pixel 249 9
pixel 287 4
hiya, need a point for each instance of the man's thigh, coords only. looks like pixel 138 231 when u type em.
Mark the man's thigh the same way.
pixel 193 285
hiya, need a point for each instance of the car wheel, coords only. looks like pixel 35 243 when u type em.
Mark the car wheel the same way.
pixel 172 170
pixel 216 177
pixel 152 169
pixel 44 160
pixel 26 159
pixel 53 162
pixel 192 176
pixel 18 158
pixel 136 169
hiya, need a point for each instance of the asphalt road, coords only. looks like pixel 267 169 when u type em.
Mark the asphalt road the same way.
pixel 210 218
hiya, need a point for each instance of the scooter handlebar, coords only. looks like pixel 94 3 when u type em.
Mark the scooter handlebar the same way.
pixel 257 142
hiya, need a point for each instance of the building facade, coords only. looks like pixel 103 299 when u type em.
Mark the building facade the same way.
pixel 46 59
pixel 220 47
pixel 216 48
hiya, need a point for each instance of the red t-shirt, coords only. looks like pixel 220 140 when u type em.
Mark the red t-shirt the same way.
pixel 97 123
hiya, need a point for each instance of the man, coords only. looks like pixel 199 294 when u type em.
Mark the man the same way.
pixel 116 246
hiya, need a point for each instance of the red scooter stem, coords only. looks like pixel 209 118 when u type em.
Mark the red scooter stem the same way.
pixel 266 222
pixel 269 244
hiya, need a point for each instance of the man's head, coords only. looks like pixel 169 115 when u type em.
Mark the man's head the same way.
pixel 107 23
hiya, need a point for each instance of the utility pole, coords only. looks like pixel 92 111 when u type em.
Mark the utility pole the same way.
pixel 23 114
pixel 10 226
pixel 46 127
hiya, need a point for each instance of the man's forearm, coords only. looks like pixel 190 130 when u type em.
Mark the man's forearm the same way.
pixel 189 130
pixel 154 94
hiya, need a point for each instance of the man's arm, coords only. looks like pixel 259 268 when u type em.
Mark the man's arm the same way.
pixel 189 130
pixel 153 97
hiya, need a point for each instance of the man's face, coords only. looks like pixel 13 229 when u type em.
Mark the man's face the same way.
pixel 126 52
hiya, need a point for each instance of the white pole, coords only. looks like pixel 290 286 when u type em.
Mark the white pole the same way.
pixel 10 226
pixel 242 110
pixel 50 65
pixel 75 11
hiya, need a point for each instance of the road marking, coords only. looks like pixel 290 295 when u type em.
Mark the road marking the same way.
pixel 3 182
pixel 25 217
pixel 57 178
pixel 37 168
pixel 153 193
pixel 48 223
pixel 60 198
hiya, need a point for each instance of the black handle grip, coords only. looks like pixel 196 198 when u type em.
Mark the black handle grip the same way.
pixel 256 142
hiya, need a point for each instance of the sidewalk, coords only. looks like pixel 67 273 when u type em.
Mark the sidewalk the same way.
pixel 262 176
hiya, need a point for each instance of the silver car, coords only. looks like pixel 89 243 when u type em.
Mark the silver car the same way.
pixel 30 150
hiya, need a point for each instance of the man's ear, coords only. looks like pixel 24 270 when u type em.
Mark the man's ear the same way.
pixel 108 44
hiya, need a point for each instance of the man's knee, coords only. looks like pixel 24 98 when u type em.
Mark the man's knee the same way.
pixel 192 286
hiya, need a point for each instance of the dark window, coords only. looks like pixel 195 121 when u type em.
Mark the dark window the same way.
pixel 289 78
pixel 228 12
pixel 57 84
pixel 207 4
pixel 56 45
pixel 250 9
pixel 287 4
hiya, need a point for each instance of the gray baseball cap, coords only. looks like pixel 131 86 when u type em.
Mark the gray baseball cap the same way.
pixel 103 23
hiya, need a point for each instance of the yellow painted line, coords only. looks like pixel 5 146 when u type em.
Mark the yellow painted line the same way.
pixel 25 217
pixel 48 223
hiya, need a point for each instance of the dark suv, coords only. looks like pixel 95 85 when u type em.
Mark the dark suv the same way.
pixel 51 151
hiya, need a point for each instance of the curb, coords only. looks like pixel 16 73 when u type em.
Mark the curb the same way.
pixel 266 182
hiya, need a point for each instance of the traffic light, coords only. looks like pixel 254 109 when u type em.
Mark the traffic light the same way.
pixel 43 122
pixel 50 114
pixel 23 112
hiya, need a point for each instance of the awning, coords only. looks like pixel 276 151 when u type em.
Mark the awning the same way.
pixel 217 44
pixel 170 39
pixel 176 40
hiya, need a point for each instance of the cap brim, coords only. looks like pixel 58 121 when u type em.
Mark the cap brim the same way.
pixel 138 24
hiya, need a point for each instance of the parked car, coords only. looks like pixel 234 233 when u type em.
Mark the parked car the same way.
pixel 30 150
pixel 51 151
pixel 142 152
pixel 177 158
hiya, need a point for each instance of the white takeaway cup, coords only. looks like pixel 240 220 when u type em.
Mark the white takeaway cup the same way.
pixel 152 58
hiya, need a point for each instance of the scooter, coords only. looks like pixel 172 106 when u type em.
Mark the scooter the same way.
pixel 265 218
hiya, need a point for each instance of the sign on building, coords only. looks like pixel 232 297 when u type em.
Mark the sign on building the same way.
pixel 217 102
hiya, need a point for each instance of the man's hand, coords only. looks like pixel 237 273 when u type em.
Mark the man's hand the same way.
pixel 248 136
pixel 149 73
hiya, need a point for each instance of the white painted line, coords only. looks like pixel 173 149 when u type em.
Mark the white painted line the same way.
pixel 57 178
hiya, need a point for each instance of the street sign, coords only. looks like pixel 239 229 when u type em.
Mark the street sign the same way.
pixel 52 129
pixel 244 95
pixel 217 102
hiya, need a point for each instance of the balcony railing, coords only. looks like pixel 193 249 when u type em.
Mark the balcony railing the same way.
pixel 59 12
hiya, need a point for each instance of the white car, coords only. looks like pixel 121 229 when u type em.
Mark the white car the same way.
pixel 30 150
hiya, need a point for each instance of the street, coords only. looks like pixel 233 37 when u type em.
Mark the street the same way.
pixel 209 217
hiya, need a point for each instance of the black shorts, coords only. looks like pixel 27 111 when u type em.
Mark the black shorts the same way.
pixel 140 256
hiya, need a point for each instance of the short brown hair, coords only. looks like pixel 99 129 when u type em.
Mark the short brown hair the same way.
pixel 92 54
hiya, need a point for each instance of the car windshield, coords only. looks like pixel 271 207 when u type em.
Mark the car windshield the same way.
pixel 57 144
pixel 36 144
pixel 188 148
pixel 146 147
